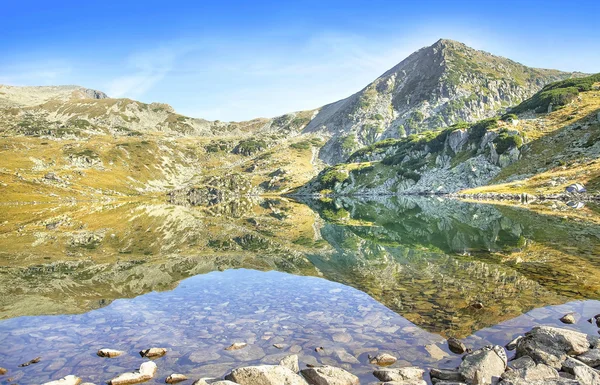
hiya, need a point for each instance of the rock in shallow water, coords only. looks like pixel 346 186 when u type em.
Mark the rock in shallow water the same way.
pixel 153 352
pixel 383 359
pixel 3 371
pixel 265 375
pixel 456 346
pixel 236 346
pixel 109 353
pixel 68 380
pixel 145 373
pixel 568 318
pixel 175 378
pixel 329 375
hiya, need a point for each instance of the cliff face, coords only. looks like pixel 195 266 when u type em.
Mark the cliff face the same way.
pixel 434 87
pixel 445 161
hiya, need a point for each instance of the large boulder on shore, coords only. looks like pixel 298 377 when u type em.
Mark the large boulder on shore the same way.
pixel 551 346
pixel 265 375
pixel 483 366
pixel 329 375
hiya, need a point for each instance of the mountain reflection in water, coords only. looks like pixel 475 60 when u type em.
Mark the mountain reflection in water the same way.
pixel 427 259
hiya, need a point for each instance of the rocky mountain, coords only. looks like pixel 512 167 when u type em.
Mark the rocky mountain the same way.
pixel 433 88
pixel 72 142
pixel 531 152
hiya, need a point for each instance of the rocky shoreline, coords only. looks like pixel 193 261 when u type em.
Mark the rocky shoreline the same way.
pixel 544 355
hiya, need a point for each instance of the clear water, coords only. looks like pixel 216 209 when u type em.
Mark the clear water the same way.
pixel 356 277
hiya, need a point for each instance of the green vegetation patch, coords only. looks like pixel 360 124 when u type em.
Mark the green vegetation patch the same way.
pixel 558 94
pixel 250 147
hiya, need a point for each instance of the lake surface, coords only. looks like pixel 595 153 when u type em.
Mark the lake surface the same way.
pixel 354 276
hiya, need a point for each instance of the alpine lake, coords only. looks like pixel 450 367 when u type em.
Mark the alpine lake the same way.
pixel 351 276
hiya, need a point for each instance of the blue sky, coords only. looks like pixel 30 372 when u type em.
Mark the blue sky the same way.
pixel 237 60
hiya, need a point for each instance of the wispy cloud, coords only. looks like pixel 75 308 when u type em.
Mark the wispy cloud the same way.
pixel 144 69
pixel 45 72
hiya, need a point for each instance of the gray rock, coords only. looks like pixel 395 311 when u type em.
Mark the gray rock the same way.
pixel 522 363
pixel 590 358
pixel 586 375
pixel 512 345
pixel 290 362
pixel 329 375
pixel 265 375
pixel 550 345
pixel 446 375
pixel 482 366
pixel 399 374
pixel 535 373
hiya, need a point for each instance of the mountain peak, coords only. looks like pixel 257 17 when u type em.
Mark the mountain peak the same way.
pixel 432 88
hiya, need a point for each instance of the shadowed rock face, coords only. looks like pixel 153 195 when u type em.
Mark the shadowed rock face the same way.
pixel 426 259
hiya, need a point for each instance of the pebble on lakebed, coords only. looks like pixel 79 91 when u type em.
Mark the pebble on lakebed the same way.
pixel 3 371
pixel 236 346
pixel 383 359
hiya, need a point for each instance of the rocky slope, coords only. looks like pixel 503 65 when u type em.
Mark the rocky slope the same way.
pixel 434 87
pixel 561 145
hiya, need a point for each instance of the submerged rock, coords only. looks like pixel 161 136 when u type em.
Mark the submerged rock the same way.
pixel 153 352
pixel 145 373
pixel 175 378
pixel 329 375
pixel 265 375
pixel 3 371
pixel 383 359
pixel 68 380
pixel 109 353
pixel 236 346
pixel 31 362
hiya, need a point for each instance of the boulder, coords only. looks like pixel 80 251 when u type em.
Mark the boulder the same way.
pixel 68 380
pixel 153 352
pixel 446 375
pixel 538 372
pixel 457 139
pixel 290 362
pixel 522 363
pixel 586 375
pixel 411 373
pixel 329 375
pixel 145 373
pixel 383 359
pixel 590 358
pixel 483 366
pixel 109 353
pixel 265 375
pixel 565 340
